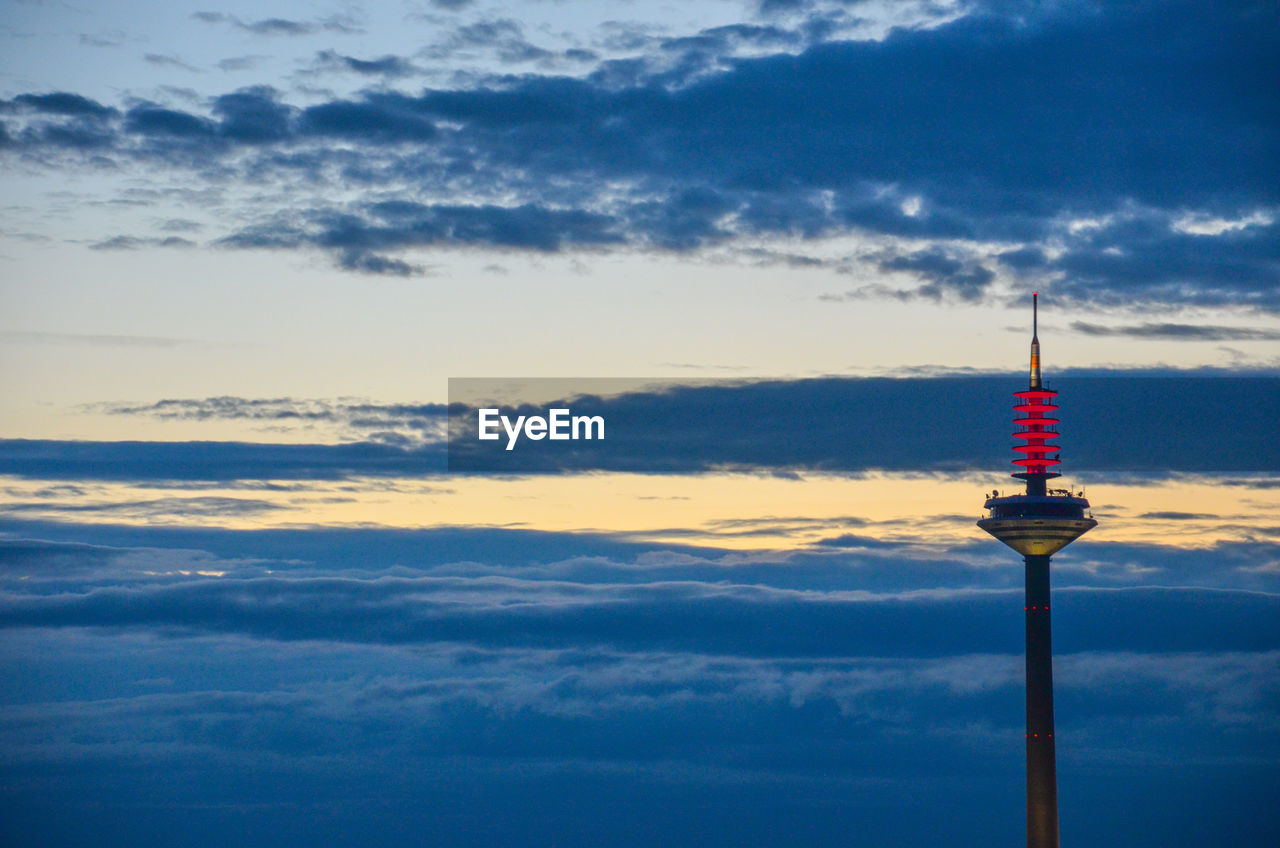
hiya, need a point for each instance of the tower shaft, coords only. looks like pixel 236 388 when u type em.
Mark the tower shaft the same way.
pixel 1042 776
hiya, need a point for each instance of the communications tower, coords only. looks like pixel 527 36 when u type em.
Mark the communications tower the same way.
pixel 1038 524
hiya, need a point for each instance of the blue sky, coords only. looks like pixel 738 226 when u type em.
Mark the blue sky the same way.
pixel 245 246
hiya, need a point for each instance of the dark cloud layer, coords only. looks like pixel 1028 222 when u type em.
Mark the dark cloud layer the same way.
pixel 1110 423
pixel 407 684
pixel 62 563
pixel 936 424
pixel 213 460
pixel 1010 124
pixel 725 619
pixel 1199 332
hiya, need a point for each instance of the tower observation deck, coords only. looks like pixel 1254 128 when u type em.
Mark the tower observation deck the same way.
pixel 1038 524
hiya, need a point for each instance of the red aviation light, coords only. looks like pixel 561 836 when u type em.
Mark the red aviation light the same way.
pixel 1035 431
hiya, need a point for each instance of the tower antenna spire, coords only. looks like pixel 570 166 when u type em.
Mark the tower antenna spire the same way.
pixel 1035 340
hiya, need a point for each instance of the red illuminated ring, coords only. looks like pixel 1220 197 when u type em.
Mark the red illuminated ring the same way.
pixel 1034 433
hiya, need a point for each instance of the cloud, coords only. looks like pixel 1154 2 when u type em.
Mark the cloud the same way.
pixel 536 139
pixel 504 37
pixel 1190 332
pixel 1170 515
pixel 381 120
pixel 424 417
pixel 771 7
pixel 240 63
pixel 106 39
pixel 253 115
pixel 534 691
pixel 851 566
pixel 384 66
pixel 944 275
pixel 736 620
pixel 372 263
pixel 57 566
pixel 166 61
pixel 149 119
pixel 275 733
pixel 993 132
pixel 181 225
pixel 214 460
pixel 152 508
pixel 106 339
pixel 136 243
pixel 1147 257
pixel 541 666
pixel 842 424
pixel 357 236
pixel 60 103
pixel 339 24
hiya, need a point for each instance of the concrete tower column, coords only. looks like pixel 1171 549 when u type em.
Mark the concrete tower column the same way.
pixel 1042 774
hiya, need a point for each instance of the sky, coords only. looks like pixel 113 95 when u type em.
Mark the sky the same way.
pixel 250 253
